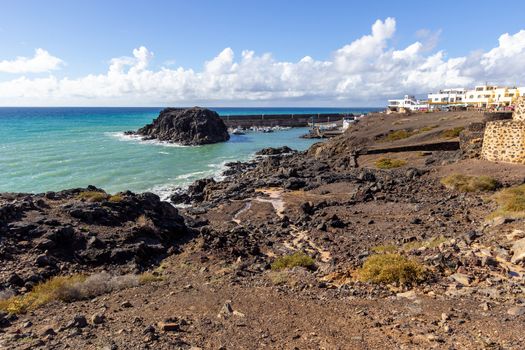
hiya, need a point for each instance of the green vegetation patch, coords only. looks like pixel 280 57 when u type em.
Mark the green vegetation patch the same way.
pixel 93 196
pixel 398 135
pixel 465 183
pixel 452 133
pixel 293 260
pixel 511 202
pixel 392 268
pixel 388 163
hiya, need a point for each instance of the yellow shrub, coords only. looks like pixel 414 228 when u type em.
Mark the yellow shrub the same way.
pixel 511 202
pixel 41 294
pixel 115 198
pixel 465 183
pixel 391 268
pixel 290 261
pixel 387 163
pixel 452 133
pixel 92 196
pixel 398 135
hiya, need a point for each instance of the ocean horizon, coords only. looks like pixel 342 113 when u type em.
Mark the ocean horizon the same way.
pixel 53 148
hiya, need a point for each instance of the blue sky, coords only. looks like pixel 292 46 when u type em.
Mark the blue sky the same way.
pixel 86 35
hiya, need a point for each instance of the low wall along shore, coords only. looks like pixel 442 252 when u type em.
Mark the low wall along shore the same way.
pixel 285 120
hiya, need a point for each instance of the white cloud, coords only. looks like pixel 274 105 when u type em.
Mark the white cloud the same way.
pixel 367 71
pixel 42 61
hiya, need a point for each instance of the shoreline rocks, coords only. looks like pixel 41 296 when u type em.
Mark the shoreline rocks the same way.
pixel 189 127
pixel 83 230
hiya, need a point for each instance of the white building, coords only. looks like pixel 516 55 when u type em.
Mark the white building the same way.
pixel 407 103
pixel 480 96
pixel 505 96
pixel 447 97
pixel 491 95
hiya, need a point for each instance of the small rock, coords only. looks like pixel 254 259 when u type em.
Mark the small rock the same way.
pixel 79 321
pixel 126 304
pixel 47 331
pixel 485 306
pixel 461 278
pixel 226 310
pixel 518 248
pixel 97 318
pixel 238 313
pixel 4 322
pixel 149 329
pixel 500 221
pixel 168 326
pixel 445 316
pixel 408 295
pixel 42 260
pixel 516 311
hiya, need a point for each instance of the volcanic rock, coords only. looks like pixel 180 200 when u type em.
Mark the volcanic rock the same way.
pixel 191 126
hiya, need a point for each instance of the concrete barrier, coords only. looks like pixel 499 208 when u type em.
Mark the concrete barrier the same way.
pixel 285 120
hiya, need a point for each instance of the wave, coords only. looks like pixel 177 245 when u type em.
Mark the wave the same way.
pixel 183 181
pixel 121 136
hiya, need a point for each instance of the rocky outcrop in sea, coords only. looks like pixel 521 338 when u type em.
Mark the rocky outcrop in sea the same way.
pixel 186 126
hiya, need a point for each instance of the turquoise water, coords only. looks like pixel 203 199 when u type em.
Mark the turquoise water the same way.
pixel 49 149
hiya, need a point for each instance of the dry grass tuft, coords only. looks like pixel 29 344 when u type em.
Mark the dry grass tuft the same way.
pixel 398 135
pixel 41 294
pixel 290 261
pixel 92 196
pixel 427 128
pixel 116 198
pixel 149 277
pixel 388 163
pixel 387 248
pixel 465 183
pixel 452 133
pixel 392 268
pixel 511 202
pixel 70 288
pixel 431 243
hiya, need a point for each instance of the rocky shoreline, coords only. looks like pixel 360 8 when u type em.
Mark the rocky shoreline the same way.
pixel 220 250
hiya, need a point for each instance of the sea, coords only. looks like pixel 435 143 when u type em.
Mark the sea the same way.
pixel 50 149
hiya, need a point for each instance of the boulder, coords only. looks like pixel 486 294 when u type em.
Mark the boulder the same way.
pixel 518 248
pixel 190 126
pixel 272 151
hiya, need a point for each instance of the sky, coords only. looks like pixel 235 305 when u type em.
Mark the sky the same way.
pixel 252 53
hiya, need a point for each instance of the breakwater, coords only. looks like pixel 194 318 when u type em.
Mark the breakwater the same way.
pixel 284 120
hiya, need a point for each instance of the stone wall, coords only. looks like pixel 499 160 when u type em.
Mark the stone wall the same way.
pixel 519 110
pixel 504 141
pixel 471 140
